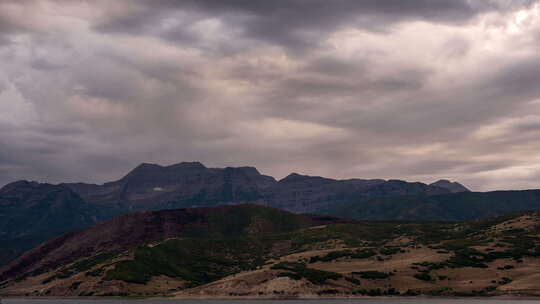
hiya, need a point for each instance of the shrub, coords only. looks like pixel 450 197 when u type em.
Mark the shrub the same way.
pixel 299 270
pixel 490 288
pixel 292 266
pixel 88 263
pixel 422 276
pixel 75 285
pixel 318 276
pixel 359 254
pixel 63 274
pixel 373 275
pixel 389 250
pixel 330 256
pixel 95 272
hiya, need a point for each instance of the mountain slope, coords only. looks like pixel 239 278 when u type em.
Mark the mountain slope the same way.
pixel 445 207
pixel 31 213
pixel 257 251
pixel 130 230
pixel 498 256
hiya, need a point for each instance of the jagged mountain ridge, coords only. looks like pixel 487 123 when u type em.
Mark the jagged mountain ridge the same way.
pixel 151 186
pixel 189 184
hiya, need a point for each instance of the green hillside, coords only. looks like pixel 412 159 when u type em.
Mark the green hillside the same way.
pixel 247 247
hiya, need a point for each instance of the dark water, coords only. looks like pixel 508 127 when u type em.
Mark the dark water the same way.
pixel 359 301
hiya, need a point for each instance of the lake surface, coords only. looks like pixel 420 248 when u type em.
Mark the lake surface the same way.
pixel 359 301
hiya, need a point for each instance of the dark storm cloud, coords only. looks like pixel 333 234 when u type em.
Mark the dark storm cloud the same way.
pixel 295 23
pixel 415 90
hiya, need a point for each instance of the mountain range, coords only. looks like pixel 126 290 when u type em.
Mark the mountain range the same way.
pixel 190 184
pixel 32 212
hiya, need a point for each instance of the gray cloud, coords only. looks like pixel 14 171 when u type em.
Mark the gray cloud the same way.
pixel 417 90
pixel 294 24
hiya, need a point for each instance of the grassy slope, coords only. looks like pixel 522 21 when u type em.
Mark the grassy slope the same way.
pixel 480 258
pixel 254 239
pixel 129 231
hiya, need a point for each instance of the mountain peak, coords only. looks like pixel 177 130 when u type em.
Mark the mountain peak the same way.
pixel 293 177
pixel 188 165
pixel 18 186
pixel 146 166
pixel 142 169
pixel 299 178
pixel 451 186
pixel 247 169
pixel 148 170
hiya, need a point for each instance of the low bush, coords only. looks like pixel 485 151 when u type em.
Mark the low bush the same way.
pixel 389 250
pixel 298 270
pixel 422 276
pixel 373 275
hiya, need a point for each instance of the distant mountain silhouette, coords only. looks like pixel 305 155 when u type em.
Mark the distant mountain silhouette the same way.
pixel 31 212
pixel 186 184
pixel 190 184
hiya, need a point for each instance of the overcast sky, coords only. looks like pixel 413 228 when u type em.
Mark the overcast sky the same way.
pixel 416 90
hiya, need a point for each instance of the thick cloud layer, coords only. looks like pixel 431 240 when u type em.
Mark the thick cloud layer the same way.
pixel 416 90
